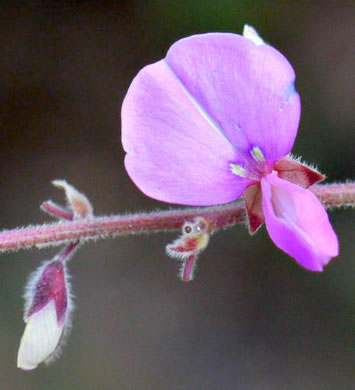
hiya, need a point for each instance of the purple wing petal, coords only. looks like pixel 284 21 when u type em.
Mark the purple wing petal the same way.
pixel 175 151
pixel 298 223
pixel 247 89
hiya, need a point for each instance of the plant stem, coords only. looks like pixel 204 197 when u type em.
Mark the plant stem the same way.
pixel 335 195
pixel 218 217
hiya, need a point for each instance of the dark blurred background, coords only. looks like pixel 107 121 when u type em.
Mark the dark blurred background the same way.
pixel 252 319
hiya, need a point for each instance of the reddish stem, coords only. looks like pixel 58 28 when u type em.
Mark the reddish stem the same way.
pixel 56 211
pixel 333 195
pixel 68 251
pixel 188 268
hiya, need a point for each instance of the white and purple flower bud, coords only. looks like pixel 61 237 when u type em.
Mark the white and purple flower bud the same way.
pixel 47 315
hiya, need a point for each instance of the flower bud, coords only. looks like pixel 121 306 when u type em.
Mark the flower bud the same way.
pixel 47 311
pixel 194 239
pixel 78 203
pixel 249 32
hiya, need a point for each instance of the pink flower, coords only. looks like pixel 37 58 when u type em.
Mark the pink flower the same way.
pixel 215 120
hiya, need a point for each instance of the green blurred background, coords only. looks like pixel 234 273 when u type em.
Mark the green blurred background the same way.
pixel 252 319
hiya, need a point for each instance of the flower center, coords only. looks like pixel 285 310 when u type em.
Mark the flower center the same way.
pixel 255 165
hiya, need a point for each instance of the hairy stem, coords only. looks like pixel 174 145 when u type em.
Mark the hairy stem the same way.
pixel 335 195
pixel 218 217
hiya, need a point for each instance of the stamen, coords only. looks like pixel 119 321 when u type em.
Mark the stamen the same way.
pixel 257 154
pixel 238 170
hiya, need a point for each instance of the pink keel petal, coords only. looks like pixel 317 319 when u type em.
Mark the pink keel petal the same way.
pixel 298 223
pixel 175 152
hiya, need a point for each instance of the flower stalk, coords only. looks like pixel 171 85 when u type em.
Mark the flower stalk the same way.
pixel 219 217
